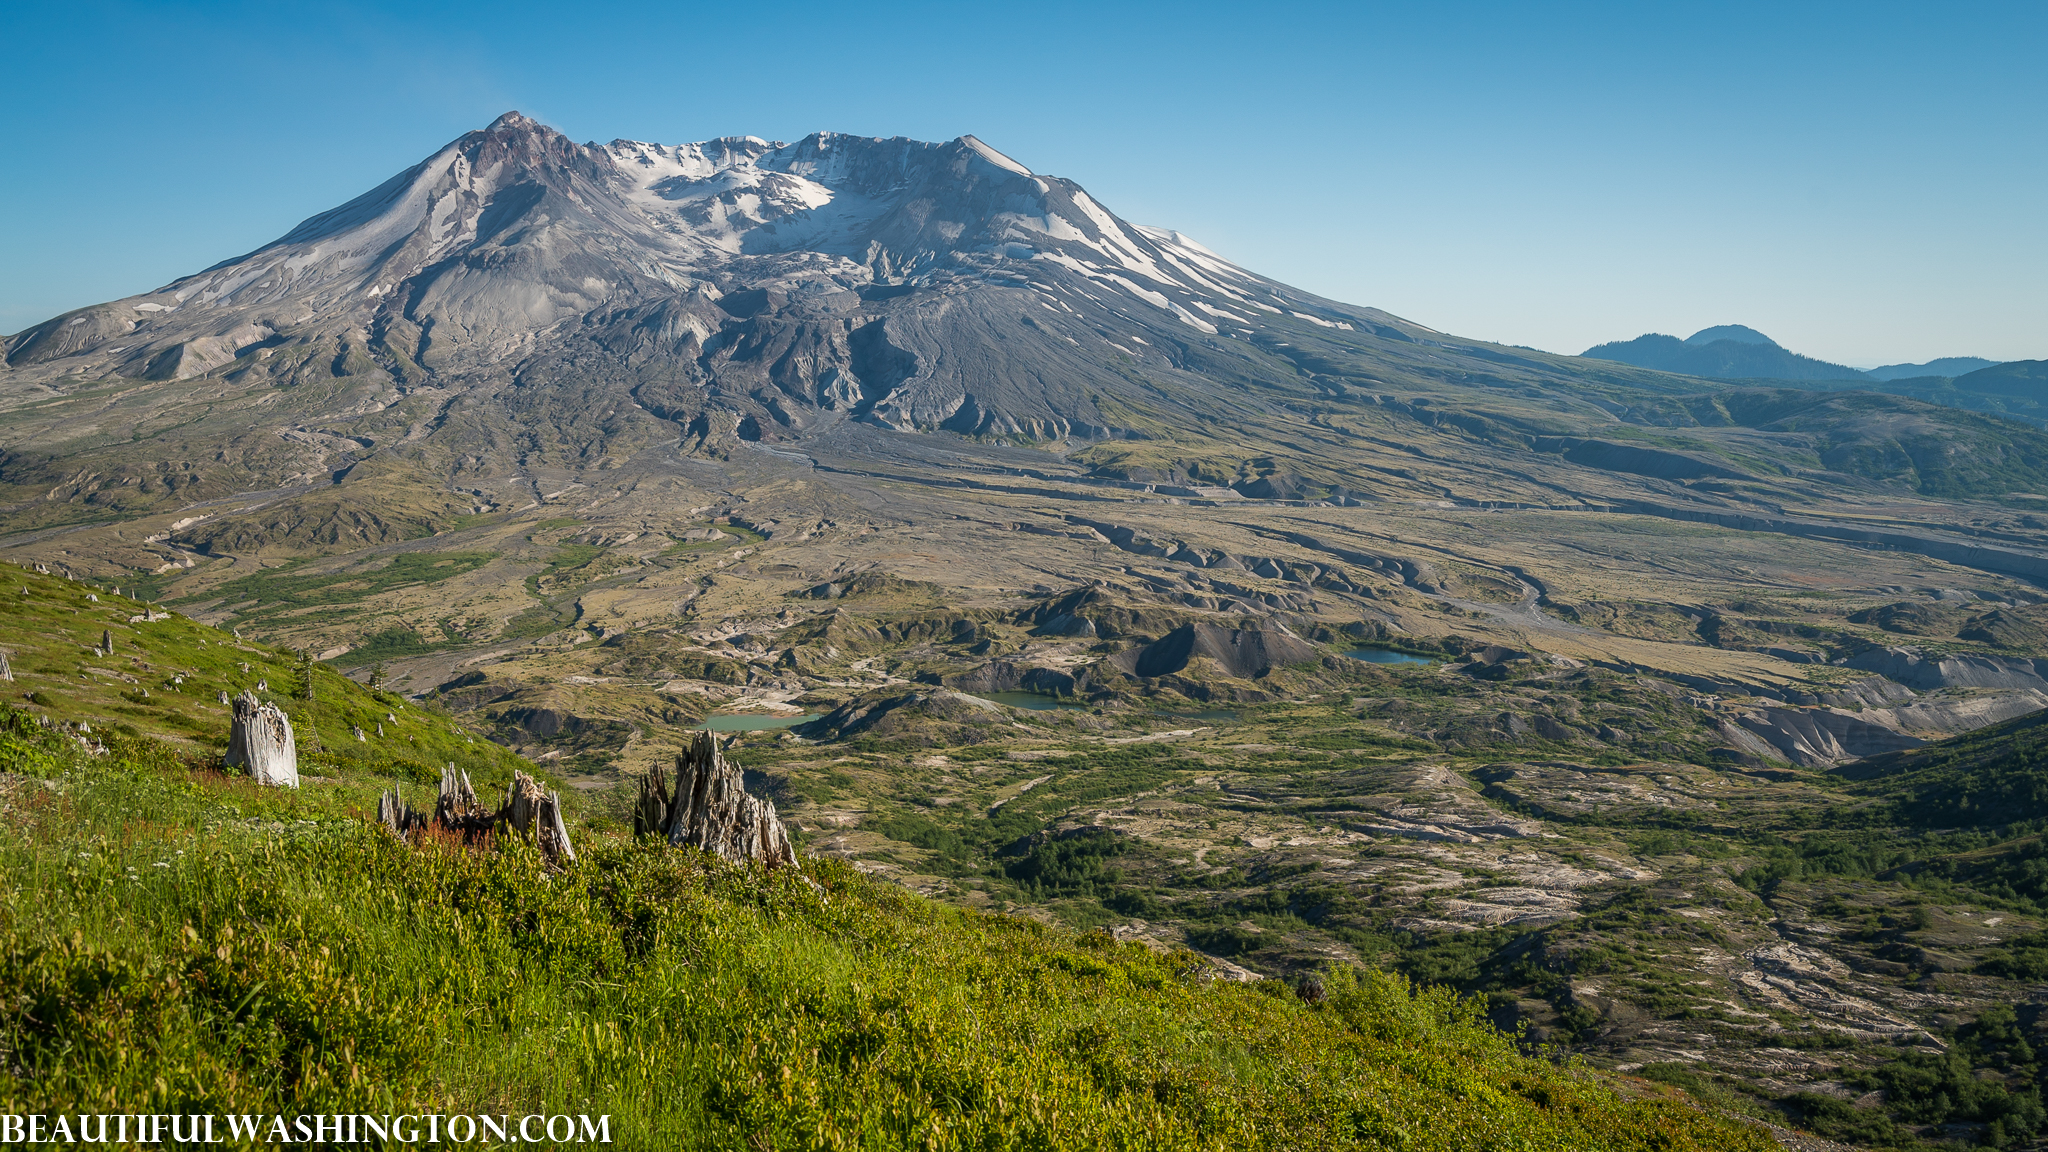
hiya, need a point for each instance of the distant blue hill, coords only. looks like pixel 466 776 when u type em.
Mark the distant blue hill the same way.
pixel 1723 352
pixel 2018 390
pixel 1946 366
pixel 2020 379
pixel 1740 333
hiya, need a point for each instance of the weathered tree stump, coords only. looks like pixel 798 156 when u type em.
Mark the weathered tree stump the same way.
pixel 394 813
pixel 6 669
pixel 711 809
pixel 650 811
pixel 522 802
pixel 261 741
pixel 530 810
pixel 458 810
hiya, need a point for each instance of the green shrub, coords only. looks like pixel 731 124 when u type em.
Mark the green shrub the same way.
pixel 180 941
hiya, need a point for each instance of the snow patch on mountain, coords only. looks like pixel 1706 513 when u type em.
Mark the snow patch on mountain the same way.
pixel 514 242
pixel 994 157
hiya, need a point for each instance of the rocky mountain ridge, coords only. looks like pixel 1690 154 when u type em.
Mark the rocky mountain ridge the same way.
pixel 738 283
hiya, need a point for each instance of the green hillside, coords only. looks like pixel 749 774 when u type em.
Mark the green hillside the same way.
pixel 164 674
pixel 176 939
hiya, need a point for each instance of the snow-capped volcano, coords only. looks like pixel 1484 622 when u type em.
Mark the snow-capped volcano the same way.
pixel 853 259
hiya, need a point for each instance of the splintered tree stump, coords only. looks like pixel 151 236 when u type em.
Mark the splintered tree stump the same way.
pixel 458 810
pixel 549 831
pixel 533 811
pixel 522 802
pixel 529 810
pixel 650 811
pixel 261 742
pixel 711 809
pixel 394 813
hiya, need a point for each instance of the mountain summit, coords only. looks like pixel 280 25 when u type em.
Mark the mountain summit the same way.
pixel 519 317
pixel 737 283
pixel 1726 351
pixel 1739 333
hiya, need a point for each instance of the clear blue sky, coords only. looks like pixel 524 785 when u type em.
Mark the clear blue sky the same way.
pixel 1864 182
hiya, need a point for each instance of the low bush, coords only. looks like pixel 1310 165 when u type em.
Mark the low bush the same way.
pixel 176 940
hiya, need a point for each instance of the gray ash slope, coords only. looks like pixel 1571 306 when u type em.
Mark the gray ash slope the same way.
pixel 520 304
pixel 742 287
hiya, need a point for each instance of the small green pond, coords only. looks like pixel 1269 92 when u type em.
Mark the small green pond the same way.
pixel 751 722
pixel 1384 656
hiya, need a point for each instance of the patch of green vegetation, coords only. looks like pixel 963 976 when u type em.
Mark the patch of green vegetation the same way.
pixel 733 536
pixel 195 943
pixel 184 667
pixel 569 557
pixel 1074 865
pixel 539 620
pixel 393 643
pixel 1990 777
pixel 2020 958
pixel 573 565
pixel 1989 1076
pixel 472 519
pixel 1838 1119
pixel 924 833
pixel 277 590
pixel 1340 741
pixel 1963 819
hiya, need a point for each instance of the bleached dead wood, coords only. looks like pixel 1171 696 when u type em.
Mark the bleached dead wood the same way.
pixel 533 811
pixel 711 809
pixel 261 742
pixel 522 801
pixel 457 808
pixel 529 810
pixel 394 813
pixel 650 811
pixel 550 832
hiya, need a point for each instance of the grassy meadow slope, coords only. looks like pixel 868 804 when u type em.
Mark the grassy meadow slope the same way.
pixel 178 939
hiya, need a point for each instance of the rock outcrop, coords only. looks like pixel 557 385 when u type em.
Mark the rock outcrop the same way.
pixel 1818 737
pixel 1943 716
pixel 1927 673
pixel 261 742
pixel 1015 676
pixel 930 714
pixel 1241 652
pixel 711 809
